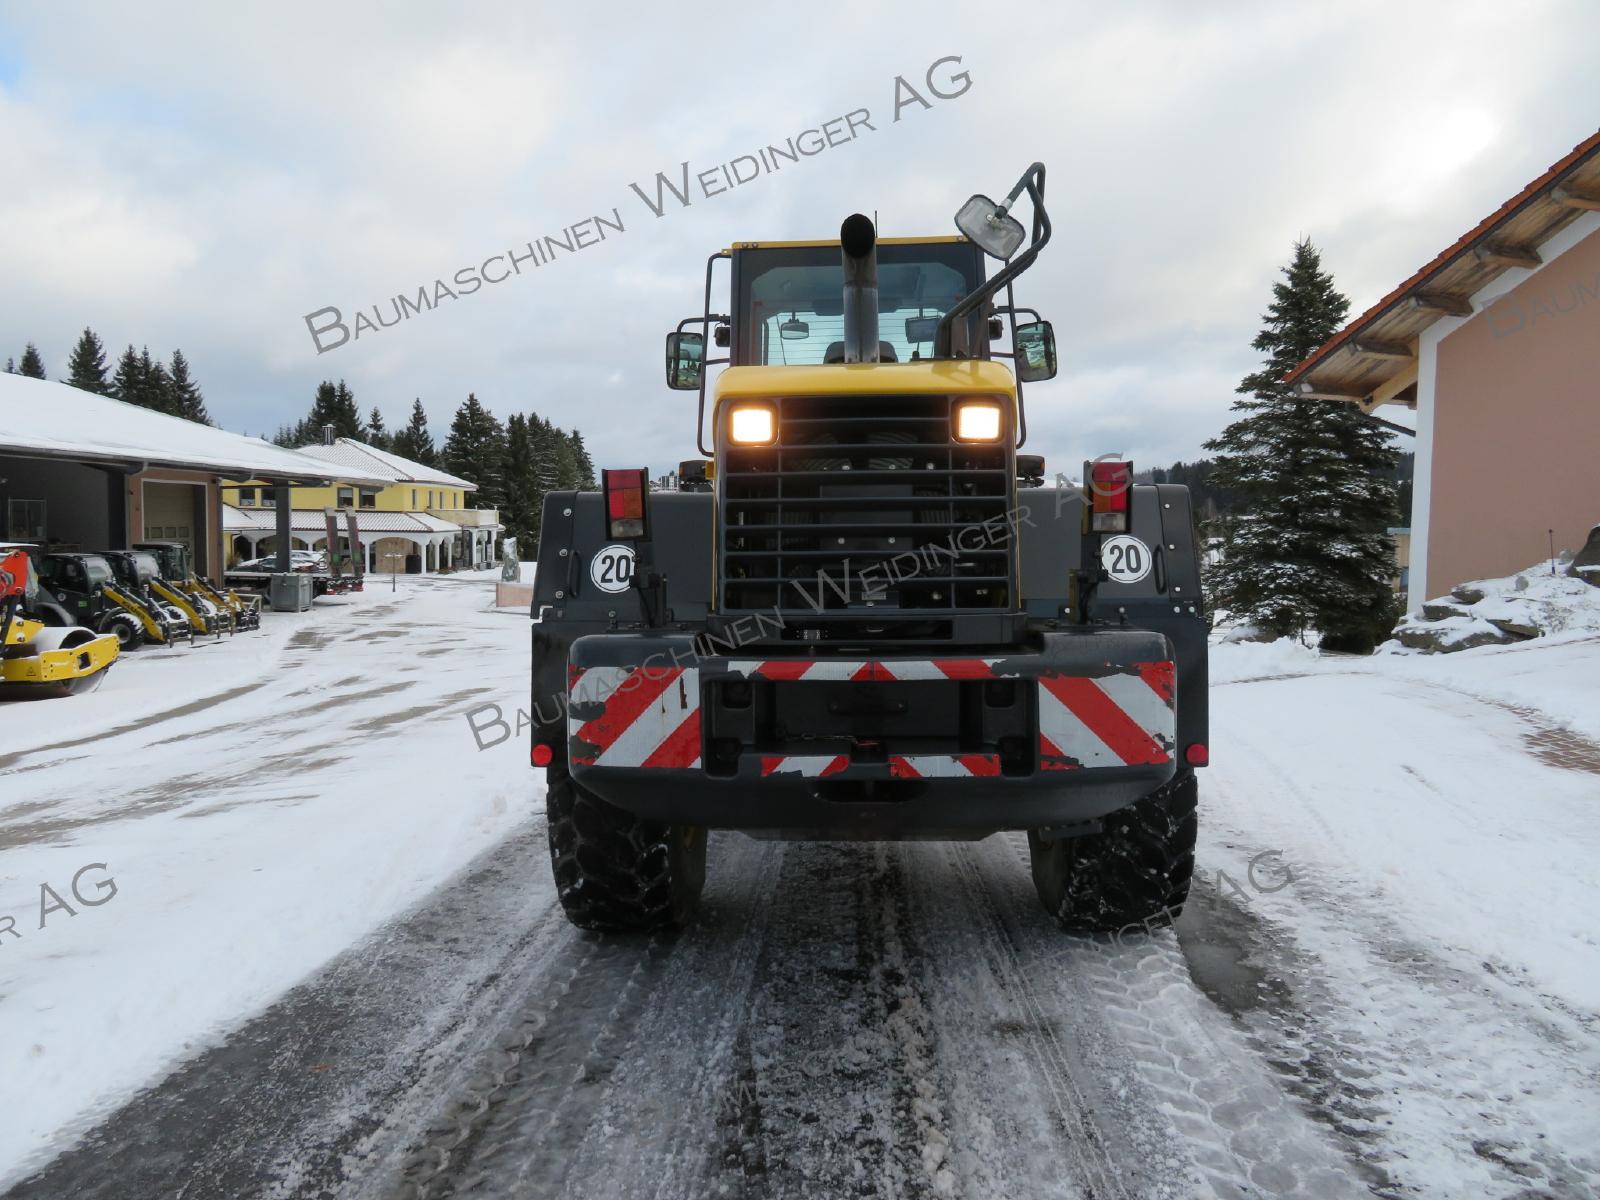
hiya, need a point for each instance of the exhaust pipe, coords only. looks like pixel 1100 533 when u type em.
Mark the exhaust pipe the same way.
pixel 858 242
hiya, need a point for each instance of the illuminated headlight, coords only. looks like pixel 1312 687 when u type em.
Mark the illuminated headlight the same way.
pixel 978 423
pixel 753 425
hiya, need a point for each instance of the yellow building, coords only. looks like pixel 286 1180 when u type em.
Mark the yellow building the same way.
pixel 410 517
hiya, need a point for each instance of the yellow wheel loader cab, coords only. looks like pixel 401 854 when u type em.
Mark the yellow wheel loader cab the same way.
pixel 38 661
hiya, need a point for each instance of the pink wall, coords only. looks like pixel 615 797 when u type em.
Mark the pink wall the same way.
pixel 1516 447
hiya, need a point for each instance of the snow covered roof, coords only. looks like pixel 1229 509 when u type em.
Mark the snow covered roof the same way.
pixel 375 463
pixel 52 420
pixel 314 520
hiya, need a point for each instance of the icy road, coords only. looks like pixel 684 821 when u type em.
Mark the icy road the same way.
pixel 272 924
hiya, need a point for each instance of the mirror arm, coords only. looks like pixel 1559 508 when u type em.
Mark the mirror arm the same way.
pixel 700 412
pixel 1033 180
pixel 1022 409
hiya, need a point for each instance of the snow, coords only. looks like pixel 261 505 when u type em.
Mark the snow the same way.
pixel 1551 602
pixel 40 415
pixel 308 782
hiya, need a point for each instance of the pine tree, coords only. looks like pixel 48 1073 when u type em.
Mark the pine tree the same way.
pixel 154 389
pixel 11 366
pixel 377 433
pixel 475 450
pixel 86 368
pixel 580 454
pixel 32 364
pixel 185 396
pixel 127 383
pixel 334 404
pixel 414 441
pixel 1308 546
pixel 519 511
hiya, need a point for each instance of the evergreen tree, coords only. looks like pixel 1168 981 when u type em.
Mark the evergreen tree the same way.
pixel 127 384
pixel 377 433
pixel 414 441
pixel 519 511
pixel 11 366
pixel 475 450
pixel 1308 547
pixel 155 385
pixel 86 368
pixel 184 394
pixel 334 404
pixel 32 363
pixel 585 464
pixel 293 436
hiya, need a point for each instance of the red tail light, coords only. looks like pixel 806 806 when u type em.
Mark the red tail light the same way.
pixel 542 755
pixel 1109 485
pixel 625 507
pixel 1196 754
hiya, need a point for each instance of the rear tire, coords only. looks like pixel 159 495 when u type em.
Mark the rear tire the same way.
pixel 1134 872
pixel 616 872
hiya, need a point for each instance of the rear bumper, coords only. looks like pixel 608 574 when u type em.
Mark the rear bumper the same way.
pixel 1073 728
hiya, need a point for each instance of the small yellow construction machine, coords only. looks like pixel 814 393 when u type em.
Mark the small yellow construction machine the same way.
pixel 210 610
pixel 38 660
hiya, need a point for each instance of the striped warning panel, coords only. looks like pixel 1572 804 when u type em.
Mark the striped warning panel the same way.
pixel 1115 720
pixel 865 671
pixel 634 717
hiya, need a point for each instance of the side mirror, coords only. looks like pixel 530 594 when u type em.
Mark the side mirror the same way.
pixel 921 329
pixel 996 232
pixel 686 354
pixel 1035 344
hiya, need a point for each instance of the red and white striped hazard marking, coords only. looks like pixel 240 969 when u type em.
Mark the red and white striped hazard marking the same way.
pixel 1111 721
pixel 870 671
pixel 634 716
pixel 650 716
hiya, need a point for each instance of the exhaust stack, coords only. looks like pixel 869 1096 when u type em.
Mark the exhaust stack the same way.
pixel 858 243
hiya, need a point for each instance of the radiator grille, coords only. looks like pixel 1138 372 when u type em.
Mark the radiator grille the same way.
pixel 866 506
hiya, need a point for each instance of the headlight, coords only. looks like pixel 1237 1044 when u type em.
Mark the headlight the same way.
pixel 978 422
pixel 752 425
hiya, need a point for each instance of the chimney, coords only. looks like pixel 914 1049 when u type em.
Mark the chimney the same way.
pixel 327 435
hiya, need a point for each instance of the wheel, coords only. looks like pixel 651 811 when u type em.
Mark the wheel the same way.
pixel 128 631
pixel 614 871
pixel 1134 872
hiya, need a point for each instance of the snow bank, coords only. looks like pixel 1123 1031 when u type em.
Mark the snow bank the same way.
pixel 1487 612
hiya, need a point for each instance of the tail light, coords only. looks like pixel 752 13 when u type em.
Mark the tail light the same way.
pixel 1109 485
pixel 625 508
pixel 541 755
pixel 1196 754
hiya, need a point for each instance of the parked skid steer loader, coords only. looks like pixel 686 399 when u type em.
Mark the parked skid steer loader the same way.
pixel 135 572
pixel 866 616
pixel 208 609
pixel 38 660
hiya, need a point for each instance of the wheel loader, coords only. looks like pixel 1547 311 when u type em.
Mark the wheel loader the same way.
pixel 84 588
pixel 38 660
pixel 864 615
pixel 136 573
pixel 217 610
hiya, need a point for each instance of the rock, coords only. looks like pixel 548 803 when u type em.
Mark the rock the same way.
pixel 1516 629
pixel 1434 610
pixel 1520 584
pixel 1586 563
pixel 1437 641
pixel 1467 594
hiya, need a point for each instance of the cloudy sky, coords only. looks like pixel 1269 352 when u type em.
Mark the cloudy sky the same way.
pixel 205 176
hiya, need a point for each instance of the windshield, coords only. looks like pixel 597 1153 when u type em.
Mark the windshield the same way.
pixel 791 304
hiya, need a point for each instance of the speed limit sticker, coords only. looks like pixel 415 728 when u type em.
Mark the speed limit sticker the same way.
pixel 1126 559
pixel 612 568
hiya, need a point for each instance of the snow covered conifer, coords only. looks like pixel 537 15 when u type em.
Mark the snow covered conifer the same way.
pixel 184 393
pixel 377 432
pixel 1308 547
pixel 475 450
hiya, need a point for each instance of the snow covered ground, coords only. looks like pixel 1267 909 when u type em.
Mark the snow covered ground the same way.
pixel 334 964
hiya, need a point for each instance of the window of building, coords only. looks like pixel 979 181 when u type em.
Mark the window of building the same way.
pixel 347 496
pixel 269 498
pixel 25 522
pixel 369 497
pixel 247 497
pixel 413 498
